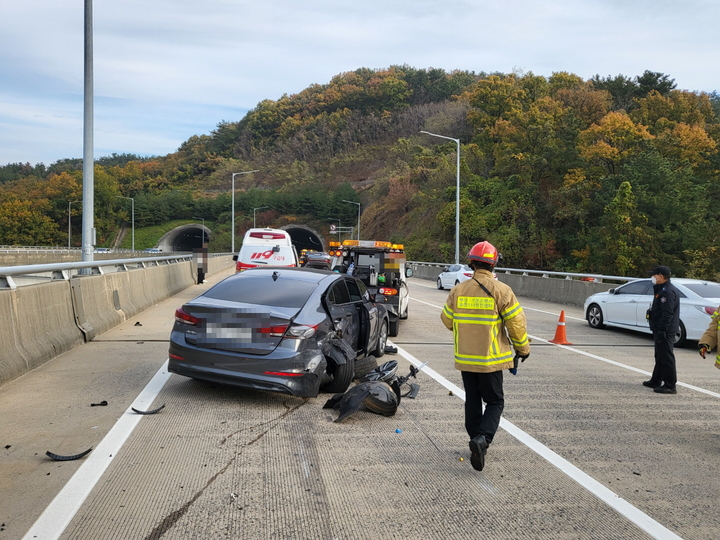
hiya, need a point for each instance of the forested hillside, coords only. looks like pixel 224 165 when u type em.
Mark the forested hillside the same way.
pixel 609 175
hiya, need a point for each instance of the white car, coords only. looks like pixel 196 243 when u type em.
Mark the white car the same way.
pixel 454 274
pixel 626 307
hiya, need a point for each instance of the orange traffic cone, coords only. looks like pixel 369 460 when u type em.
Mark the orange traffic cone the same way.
pixel 560 337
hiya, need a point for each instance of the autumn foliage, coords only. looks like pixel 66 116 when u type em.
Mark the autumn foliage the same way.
pixel 609 175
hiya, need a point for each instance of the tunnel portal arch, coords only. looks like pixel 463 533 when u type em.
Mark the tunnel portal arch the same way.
pixel 303 237
pixel 185 238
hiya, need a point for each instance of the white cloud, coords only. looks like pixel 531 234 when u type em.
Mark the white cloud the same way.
pixel 167 69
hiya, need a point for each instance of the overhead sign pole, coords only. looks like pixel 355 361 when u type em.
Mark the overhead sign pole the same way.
pixel 88 215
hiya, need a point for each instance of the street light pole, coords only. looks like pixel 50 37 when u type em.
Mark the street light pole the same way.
pixel 457 194
pixel 70 203
pixel 133 218
pixel 254 209
pixel 353 202
pixel 232 212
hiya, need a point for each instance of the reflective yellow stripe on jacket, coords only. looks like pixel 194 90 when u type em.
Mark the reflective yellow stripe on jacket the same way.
pixel 496 354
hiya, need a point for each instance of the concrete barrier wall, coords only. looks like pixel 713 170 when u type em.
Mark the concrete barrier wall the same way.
pixel 572 292
pixel 39 321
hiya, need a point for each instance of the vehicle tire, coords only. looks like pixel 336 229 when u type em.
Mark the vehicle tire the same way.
pixel 341 375
pixel 439 284
pixel 407 310
pixel 681 336
pixel 381 341
pixel 394 328
pixel 365 365
pixel 594 316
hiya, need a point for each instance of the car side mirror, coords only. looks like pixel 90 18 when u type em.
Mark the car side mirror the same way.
pixel 612 291
pixel 408 272
pixel 446 269
pixel 235 258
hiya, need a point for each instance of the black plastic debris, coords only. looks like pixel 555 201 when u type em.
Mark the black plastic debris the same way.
pixel 138 323
pixel 103 403
pixel 389 349
pixel 376 396
pixel 57 457
pixel 7 446
pixel 154 411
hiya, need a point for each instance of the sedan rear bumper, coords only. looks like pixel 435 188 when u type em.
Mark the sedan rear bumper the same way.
pixel 298 375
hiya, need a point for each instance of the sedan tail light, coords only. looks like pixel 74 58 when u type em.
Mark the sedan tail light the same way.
pixel 387 291
pixel 468 274
pixel 707 309
pixel 184 317
pixel 295 331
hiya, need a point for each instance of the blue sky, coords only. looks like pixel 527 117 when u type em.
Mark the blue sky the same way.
pixel 165 70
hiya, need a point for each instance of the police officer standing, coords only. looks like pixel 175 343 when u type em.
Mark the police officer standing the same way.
pixel 488 323
pixel 664 319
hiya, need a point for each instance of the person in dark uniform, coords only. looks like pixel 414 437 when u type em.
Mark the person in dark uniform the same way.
pixel 664 319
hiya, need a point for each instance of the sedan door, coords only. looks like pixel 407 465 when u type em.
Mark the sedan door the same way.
pixel 344 313
pixel 623 306
pixel 368 313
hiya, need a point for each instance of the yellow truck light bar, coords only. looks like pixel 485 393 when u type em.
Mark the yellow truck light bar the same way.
pixel 372 244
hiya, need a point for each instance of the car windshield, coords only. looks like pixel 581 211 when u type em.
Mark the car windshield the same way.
pixel 706 289
pixel 264 291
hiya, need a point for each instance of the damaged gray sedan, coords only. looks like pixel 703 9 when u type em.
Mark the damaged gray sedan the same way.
pixel 290 330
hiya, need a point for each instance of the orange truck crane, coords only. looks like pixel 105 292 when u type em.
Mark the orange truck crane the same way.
pixel 381 267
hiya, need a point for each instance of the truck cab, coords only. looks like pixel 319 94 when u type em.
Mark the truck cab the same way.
pixel 381 267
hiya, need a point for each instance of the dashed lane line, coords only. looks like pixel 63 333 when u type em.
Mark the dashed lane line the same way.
pixel 602 359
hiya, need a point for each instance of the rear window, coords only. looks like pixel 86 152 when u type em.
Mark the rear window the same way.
pixel 263 291
pixel 706 290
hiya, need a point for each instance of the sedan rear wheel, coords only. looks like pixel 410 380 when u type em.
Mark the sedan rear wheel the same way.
pixel 341 376
pixel 680 336
pixel 595 316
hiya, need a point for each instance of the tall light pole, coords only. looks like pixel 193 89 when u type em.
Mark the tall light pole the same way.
pixel 88 166
pixel 70 203
pixel 232 213
pixel 258 208
pixel 457 194
pixel 353 202
pixel 133 218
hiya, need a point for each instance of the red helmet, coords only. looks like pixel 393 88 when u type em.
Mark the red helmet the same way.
pixel 483 252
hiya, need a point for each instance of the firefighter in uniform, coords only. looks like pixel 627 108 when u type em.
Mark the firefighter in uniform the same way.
pixel 664 319
pixel 711 338
pixel 489 328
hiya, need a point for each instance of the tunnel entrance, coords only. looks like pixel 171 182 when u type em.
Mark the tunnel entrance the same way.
pixel 184 238
pixel 304 238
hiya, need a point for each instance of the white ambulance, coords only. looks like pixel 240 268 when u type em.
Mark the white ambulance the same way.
pixel 265 247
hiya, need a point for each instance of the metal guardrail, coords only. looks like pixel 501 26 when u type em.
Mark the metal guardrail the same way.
pixel 38 273
pixel 597 278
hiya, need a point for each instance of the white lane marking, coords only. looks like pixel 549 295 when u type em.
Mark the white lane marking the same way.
pixel 631 368
pixel 607 360
pixel 526 308
pixel 56 517
pixel 635 515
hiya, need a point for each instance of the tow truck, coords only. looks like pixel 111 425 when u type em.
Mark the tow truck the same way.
pixel 381 267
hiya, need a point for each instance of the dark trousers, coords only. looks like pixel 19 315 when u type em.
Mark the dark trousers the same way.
pixel 664 371
pixel 479 388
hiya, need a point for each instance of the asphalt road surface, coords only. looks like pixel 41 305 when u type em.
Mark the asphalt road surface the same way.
pixel 584 450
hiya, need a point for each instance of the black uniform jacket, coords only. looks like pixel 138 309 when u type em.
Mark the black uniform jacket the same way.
pixel 665 310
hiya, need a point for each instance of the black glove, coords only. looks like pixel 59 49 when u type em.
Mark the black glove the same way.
pixel 523 357
pixel 704 350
